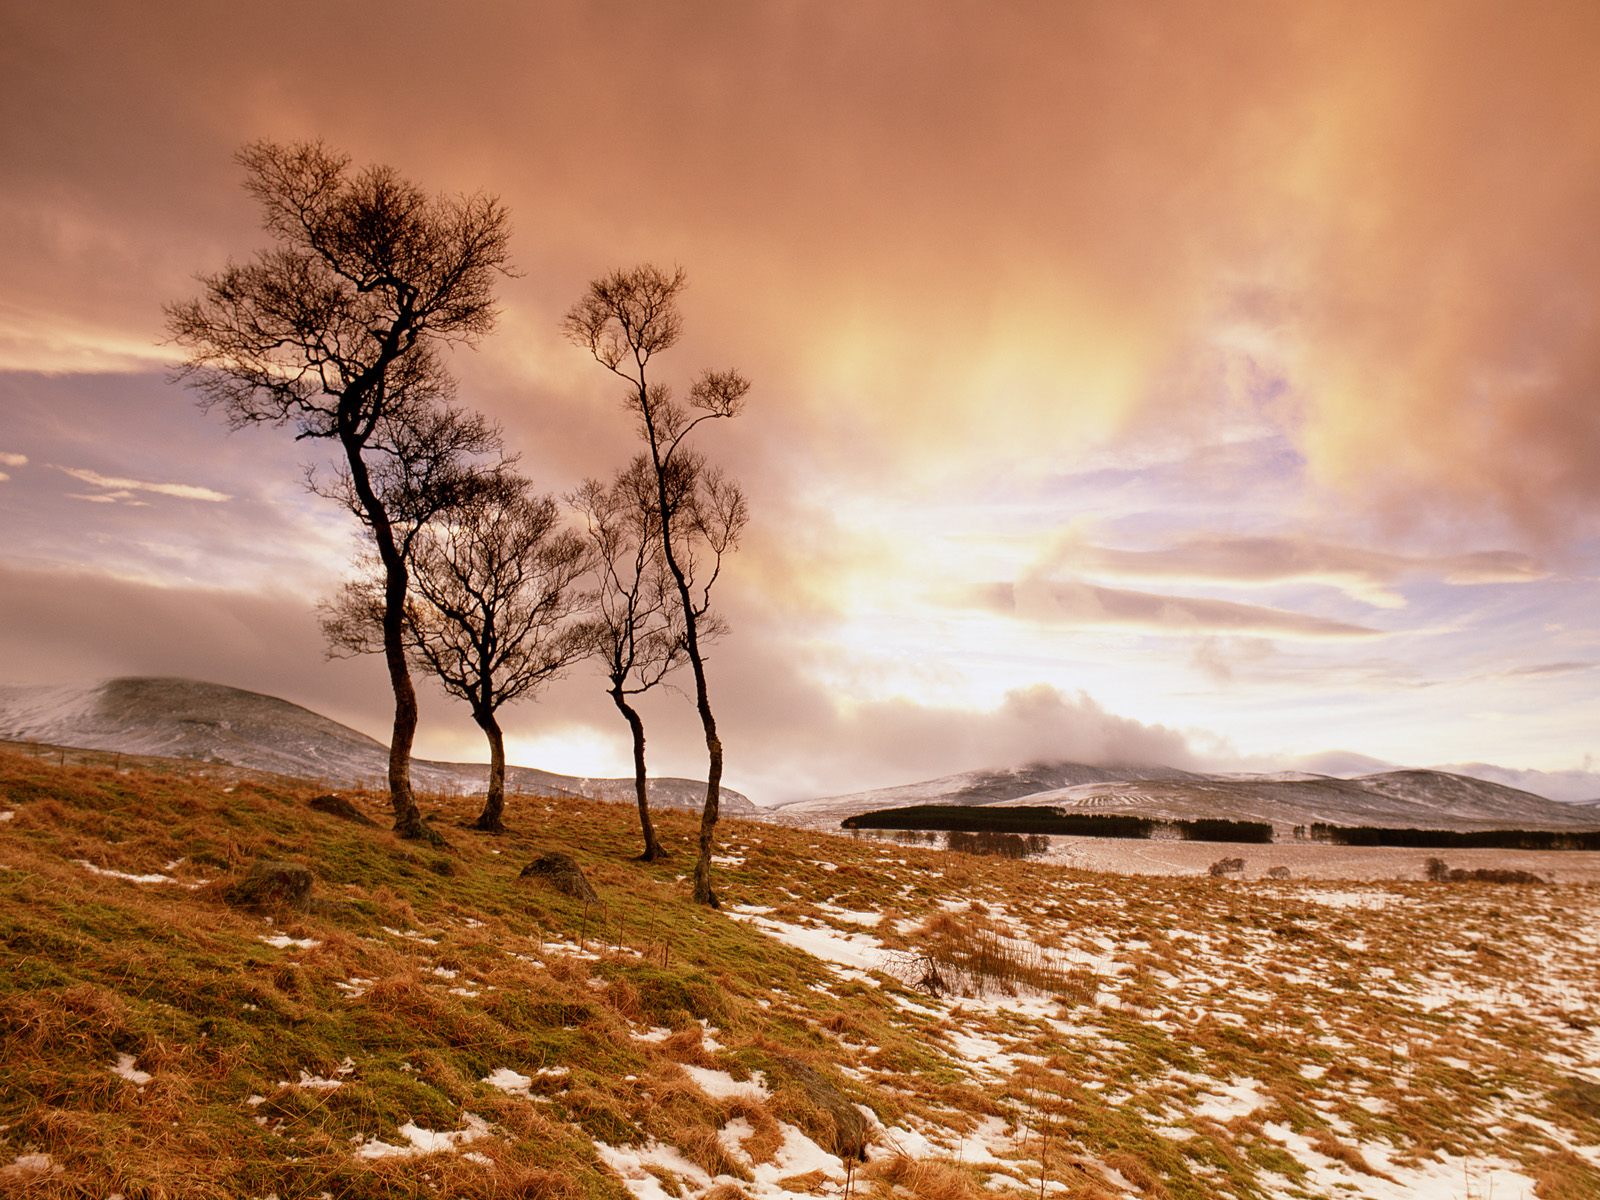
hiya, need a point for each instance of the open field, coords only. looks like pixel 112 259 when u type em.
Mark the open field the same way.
pixel 1303 860
pixel 434 1025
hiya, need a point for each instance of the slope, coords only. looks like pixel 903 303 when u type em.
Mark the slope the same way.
pixel 433 1025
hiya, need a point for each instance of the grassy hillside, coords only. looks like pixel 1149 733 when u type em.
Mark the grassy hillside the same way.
pixel 435 1025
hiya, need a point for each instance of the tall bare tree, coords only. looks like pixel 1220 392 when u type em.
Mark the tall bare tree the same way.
pixel 624 320
pixel 336 330
pixel 639 620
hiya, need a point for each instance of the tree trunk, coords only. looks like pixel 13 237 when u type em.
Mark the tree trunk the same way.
pixel 652 848
pixel 703 891
pixel 408 821
pixel 494 805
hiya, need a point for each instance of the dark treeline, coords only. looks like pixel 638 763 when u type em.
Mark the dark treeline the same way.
pixel 997 845
pixel 1458 839
pixel 979 819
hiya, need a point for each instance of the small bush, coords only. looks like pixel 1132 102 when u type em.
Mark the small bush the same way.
pixel 1438 871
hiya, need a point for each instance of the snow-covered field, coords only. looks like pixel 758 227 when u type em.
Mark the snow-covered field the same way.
pixel 1310 860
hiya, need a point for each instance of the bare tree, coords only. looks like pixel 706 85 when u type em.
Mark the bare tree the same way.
pixel 501 612
pixel 336 330
pixel 639 621
pixel 624 320
pixel 496 610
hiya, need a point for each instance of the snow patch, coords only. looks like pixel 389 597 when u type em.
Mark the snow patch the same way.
pixel 125 1068
pixel 282 941
pixel 720 1085
pixel 511 1082
pixel 425 1141
pixel 107 873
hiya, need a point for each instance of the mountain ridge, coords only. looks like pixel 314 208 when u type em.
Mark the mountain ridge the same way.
pixel 1401 798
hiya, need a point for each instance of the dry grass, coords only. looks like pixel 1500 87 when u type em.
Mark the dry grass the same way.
pixel 433 969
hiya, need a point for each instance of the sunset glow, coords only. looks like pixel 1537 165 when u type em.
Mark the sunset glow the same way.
pixel 1192 383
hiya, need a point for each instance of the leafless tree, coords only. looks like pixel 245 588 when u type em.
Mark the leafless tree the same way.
pixel 624 320
pixel 496 610
pixel 336 330
pixel 501 613
pixel 639 621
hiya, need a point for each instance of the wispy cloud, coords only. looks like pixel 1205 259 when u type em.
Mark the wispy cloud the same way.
pixel 126 498
pixel 120 489
pixel 1364 574
pixel 8 459
pixel 1077 603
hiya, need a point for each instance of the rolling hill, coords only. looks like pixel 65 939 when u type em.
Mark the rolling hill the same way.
pixel 187 718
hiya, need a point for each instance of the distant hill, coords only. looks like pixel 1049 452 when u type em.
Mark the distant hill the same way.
pixel 1407 799
pixel 186 718
pixel 971 787
pixel 1570 786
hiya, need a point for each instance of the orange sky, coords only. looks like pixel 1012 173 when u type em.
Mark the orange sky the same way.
pixel 1231 368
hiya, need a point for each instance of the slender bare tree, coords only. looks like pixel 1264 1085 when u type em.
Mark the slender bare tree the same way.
pixel 336 330
pixel 638 618
pixel 624 320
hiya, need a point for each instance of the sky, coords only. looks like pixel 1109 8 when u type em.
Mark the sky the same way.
pixel 1214 384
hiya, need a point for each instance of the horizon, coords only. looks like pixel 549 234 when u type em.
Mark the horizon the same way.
pixel 1571 787
pixel 1207 387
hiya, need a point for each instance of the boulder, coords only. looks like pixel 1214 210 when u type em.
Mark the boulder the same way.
pixel 271 885
pixel 337 806
pixel 826 1114
pixel 562 872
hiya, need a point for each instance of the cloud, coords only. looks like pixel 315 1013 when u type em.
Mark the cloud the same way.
pixel 8 459
pixel 1365 574
pixel 1544 670
pixel 789 736
pixel 1077 603
pixel 1322 274
pixel 121 489
pixel 1571 785
pixel 123 497
pixel 1329 228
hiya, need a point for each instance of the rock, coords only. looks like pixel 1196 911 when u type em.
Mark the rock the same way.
pixel 337 806
pixel 1278 873
pixel 562 872
pixel 1226 866
pixel 272 885
pixel 827 1115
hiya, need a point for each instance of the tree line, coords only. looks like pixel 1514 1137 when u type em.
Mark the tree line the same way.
pixel 339 330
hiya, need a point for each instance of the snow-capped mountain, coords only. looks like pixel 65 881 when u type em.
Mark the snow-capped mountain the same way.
pixel 186 718
pixel 970 787
pixel 1408 799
